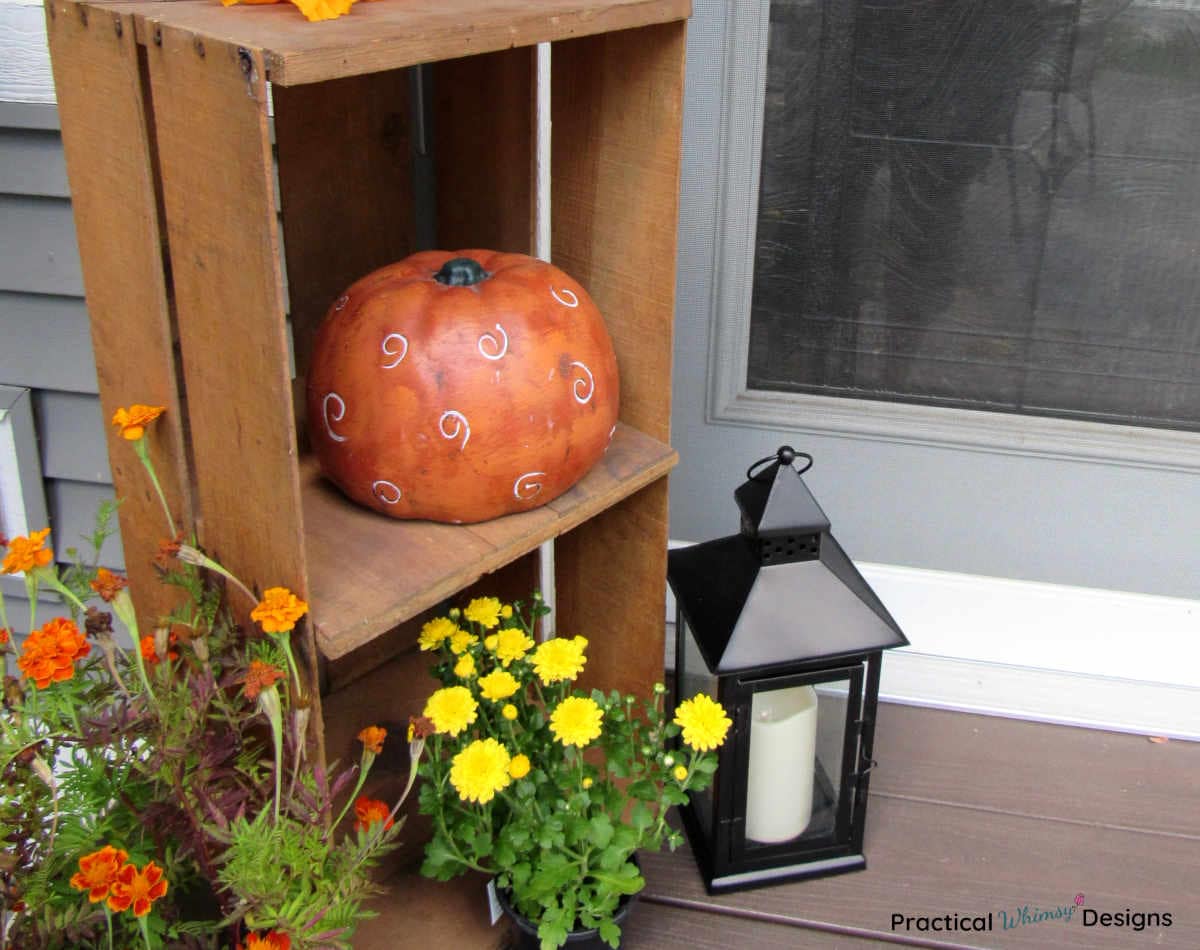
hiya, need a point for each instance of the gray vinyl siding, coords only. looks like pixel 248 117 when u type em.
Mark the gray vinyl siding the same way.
pixel 45 344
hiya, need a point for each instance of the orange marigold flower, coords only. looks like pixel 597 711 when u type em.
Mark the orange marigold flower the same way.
pixel 98 871
pixel 279 610
pixel 108 585
pixel 137 890
pixel 49 653
pixel 168 550
pixel 368 811
pixel 260 676
pixel 149 649
pixel 272 939
pixel 372 738
pixel 133 421
pixel 26 553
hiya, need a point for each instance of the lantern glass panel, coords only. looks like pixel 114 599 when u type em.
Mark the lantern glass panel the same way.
pixel 797 751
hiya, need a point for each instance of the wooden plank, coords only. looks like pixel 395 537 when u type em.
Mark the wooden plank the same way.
pixel 657 926
pixel 451 915
pixel 345 186
pixel 45 343
pixel 214 147
pixel 617 111
pixel 48 265
pixel 108 148
pixel 488 203
pixel 32 163
pixel 72 436
pixel 933 860
pixel 611 578
pixel 996 763
pixel 369 573
pixel 381 36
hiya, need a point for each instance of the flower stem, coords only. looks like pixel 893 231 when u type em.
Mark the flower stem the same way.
pixel 139 447
pixel 145 933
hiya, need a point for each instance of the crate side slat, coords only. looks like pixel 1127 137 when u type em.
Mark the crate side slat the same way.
pixel 617 114
pixel 218 189
pixel 108 148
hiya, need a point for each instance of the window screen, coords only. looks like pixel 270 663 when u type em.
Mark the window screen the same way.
pixel 991 204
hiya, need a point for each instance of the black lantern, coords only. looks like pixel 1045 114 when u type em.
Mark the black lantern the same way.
pixel 778 624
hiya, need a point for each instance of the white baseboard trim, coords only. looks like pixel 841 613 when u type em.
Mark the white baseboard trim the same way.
pixel 1078 656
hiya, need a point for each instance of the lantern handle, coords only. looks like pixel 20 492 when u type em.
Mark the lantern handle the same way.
pixel 785 456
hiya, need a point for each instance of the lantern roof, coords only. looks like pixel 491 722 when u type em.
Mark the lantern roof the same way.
pixel 749 606
pixel 776 501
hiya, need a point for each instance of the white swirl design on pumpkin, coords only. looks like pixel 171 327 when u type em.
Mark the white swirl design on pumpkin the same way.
pixel 525 488
pixel 399 354
pixel 387 492
pixel 573 302
pixel 338 414
pixel 461 427
pixel 498 346
pixel 584 388
pixel 341 302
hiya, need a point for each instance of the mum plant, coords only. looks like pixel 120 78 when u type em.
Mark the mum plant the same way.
pixel 550 789
pixel 159 794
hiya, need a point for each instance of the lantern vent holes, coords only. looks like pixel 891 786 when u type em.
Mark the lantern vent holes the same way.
pixel 789 548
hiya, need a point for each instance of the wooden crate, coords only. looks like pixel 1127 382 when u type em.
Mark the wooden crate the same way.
pixel 172 152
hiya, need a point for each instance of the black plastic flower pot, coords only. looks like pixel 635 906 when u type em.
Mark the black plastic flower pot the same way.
pixel 525 935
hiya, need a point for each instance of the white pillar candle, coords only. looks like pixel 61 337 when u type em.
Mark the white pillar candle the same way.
pixel 783 740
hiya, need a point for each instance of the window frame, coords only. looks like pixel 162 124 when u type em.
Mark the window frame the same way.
pixel 731 401
pixel 22 497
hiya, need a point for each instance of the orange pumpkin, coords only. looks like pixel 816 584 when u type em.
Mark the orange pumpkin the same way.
pixel 461 386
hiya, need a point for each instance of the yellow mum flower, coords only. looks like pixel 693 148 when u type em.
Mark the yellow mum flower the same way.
pixel 436 632
pixel 703 721
pixel 560 659
pixel 587 783
pixel 576 721
pixel 452 709
pixel 498 684
pixel 465 667
pixel 484 611
pixel 460 641
pixel 506 611
pixel 519 766
pixel 512 644
pixel 680 773
pixel 490 642
pixel 480 770
pixel 509 712
pixel 279 610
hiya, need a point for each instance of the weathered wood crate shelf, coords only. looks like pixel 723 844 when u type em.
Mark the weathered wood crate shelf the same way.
pixel 186 204
pixel 367 574
pixel 206 144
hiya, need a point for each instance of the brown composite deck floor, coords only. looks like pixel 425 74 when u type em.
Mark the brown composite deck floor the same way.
pixel 968 815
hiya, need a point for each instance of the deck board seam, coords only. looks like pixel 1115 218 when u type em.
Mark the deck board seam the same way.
pixel 991 810
pixel 804 923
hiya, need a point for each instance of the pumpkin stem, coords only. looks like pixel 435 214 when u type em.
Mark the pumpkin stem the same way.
pixel 461 272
